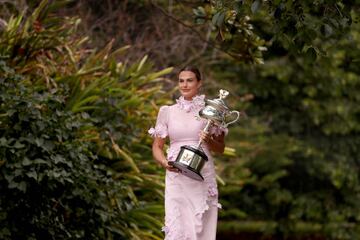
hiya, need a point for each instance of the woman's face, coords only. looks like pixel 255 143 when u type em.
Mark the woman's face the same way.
pixel 188 84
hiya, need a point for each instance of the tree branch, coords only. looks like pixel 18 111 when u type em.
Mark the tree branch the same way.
pixel 191 28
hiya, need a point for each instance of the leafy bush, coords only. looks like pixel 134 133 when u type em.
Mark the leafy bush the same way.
pixel 75 159
pixel 312 108
pixel 50 186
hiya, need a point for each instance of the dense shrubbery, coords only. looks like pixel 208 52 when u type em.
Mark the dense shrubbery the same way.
pixel 75 159
pixel 50 186
pixel 300 153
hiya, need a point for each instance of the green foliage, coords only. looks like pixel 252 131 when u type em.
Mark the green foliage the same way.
pixel 75 159
pixel 309 107
pixel 245 29
pixel 233 30
pixel 50 186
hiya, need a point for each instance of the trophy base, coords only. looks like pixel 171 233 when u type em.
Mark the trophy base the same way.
pixel 189 161
pixel 187 171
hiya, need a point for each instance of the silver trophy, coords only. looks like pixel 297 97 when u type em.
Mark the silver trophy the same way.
pixel 190 159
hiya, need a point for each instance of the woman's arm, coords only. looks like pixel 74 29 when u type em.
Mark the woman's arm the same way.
pixel 215 143
pixel 158 154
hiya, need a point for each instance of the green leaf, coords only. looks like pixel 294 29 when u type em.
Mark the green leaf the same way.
pixel 39 142
pixel 58 159
pixel 199 12
pixel 255 6
pixel 310 55
pixel 3 142
pixel 26 162
pixel 142 62
pixel 32 174
pixel 327 30
pixel 41 161
pixel 156 75
pixel 218 19
pixel 20 186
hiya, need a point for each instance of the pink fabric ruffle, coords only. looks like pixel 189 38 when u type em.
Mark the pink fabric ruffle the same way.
pixel 172 229
pixel 160 130
pixel 210 200
pixel 190 106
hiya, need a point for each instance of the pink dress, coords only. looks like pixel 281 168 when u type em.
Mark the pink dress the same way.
pixel 191 206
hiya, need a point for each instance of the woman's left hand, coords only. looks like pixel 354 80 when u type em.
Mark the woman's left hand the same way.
pixel 205 136
pixel 215 143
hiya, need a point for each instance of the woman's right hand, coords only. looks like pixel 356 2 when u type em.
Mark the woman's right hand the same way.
pixel 169 167
pixel 158 153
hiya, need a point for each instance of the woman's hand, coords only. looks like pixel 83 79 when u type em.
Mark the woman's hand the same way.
pixel 215 143
pixel 169 167
pixel 205 136
pixel 158 153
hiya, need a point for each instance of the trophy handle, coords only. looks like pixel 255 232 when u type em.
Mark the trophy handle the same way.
pixel 233 121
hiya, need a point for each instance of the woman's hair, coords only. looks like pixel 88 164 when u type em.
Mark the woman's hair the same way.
pixel 193 70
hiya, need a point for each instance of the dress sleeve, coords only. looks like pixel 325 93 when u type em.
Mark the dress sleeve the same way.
pixel 161 127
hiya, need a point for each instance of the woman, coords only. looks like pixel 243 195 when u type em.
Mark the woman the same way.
pixel 191 206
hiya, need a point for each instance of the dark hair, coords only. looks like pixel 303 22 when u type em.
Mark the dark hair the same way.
pixel 193 70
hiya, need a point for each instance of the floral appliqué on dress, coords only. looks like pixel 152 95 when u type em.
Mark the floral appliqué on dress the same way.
pixel 159 131
pixel 191 106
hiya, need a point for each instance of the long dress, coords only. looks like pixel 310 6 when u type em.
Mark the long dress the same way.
pixel 191 206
